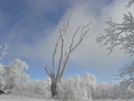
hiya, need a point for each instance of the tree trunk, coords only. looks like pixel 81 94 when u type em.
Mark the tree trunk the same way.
pixel 54 86
pixel 53 89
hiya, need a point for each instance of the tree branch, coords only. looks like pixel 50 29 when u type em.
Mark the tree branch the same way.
pixel 3 52
pixel 47 71
pixel 48 67
pixel 54 53
pixel 119 34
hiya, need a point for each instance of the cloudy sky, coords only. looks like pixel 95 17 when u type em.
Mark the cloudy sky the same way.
pixel 31 29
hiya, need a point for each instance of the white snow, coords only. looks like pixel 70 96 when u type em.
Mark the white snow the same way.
pixel 17 98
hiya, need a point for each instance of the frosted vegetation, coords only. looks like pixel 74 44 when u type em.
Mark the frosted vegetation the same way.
pixel 78 87
pixel 16 85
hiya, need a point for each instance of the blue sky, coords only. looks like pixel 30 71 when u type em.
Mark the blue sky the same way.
pixel 31 28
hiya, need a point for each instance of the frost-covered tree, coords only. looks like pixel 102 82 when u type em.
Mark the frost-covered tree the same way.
pixel 65 52
pixel 120 33
pixel 14 73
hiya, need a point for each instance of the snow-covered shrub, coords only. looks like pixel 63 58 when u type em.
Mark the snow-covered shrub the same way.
pixel 13 77
pixel 34 88
pixel 103 90
pixel 14 74
pixel 115 91
pixel 84 87
pixel 77 87
pixel 42 87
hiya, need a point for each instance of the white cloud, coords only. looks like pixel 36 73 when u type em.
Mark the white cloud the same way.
pixel 85 52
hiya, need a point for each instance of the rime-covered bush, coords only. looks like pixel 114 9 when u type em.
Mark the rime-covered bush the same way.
pixel 77 87
pixel 103 91
pixel 13 72
pixel 42 87
pixel 12 75
pixel 34 88
pixel 84 87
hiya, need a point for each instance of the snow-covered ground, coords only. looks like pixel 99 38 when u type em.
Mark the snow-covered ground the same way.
pixel 16 98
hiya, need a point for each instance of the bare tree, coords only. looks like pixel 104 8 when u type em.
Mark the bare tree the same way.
pixel 54 72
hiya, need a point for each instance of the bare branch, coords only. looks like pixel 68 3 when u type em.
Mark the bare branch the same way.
pixel 54 53
pixel 127 70
pixel 84 32
pixel 64 64
pixel 48 67
pixel 71 45
pixel 4 51
pixel 47 71
pixel 61 55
